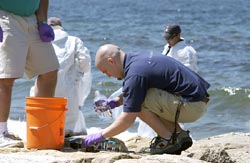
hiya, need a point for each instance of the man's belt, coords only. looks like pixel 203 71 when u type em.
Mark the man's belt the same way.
pixel 206 99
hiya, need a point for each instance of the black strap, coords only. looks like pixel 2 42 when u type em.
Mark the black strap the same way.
pixel 168 50
pixel 177 114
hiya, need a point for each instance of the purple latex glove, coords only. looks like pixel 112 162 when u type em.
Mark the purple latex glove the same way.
pixel 112 103
pixel 99 102
pixel 46 32
pixel 1 34
pixel 106 104
pixel 92 139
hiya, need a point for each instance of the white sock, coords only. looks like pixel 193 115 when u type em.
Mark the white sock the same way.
pixel 3 127
pixel 168 138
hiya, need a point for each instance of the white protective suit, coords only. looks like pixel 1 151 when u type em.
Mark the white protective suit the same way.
pixel 74 78
pixel 183 53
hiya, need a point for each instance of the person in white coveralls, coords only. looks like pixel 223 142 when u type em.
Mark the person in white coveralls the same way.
pixel 177 48
pixel 74 76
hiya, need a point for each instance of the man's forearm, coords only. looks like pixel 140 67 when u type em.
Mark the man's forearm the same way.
pixel 42 11
pixel 122 123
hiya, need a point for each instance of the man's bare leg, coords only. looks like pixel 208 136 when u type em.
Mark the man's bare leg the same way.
pixel 171 125
pixel 162 128
pixel 5 98
pixel 5 102
pixel 45 84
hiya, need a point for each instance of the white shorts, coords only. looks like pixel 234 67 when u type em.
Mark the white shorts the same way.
pixel 22 50
pixel 165 105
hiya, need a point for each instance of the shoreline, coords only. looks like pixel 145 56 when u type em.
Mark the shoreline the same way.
pixel 231 147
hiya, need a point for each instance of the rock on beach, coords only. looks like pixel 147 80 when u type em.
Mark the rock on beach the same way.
pixel 226 148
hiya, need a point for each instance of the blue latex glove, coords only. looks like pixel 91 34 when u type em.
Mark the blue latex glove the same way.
pixel 92 139
pixel 106 104
pixel 46 32
pixel 1 34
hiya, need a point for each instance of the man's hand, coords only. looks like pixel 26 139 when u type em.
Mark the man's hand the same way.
pixel 1 34
pixel 106 104
pixel 92 139
pixel 46 32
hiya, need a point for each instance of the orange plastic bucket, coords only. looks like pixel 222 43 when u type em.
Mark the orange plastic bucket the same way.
pixel 45 122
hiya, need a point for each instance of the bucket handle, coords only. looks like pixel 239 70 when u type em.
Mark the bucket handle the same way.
pixel 47 124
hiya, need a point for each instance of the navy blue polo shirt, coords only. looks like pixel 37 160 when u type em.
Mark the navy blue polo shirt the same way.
pixel 144 70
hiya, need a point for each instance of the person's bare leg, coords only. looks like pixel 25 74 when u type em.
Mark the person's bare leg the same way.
pixel 163 129
pixel 45 84
pixel 5 98
pixel 171 125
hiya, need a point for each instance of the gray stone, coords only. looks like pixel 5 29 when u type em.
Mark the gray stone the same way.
pixel 165 158
pixel 227 148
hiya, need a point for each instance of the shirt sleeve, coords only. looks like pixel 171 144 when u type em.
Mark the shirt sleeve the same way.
pixel 135 89
pixel 82 57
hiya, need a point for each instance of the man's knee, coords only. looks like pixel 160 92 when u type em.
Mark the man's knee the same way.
pixel 49 76
pixel 7 82
pixel 192 112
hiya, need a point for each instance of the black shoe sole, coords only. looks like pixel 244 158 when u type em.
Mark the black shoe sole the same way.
pixel 184 146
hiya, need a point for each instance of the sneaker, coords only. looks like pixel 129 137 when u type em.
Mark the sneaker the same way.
pixel 184 139
pixel 10 140
pixel 159 145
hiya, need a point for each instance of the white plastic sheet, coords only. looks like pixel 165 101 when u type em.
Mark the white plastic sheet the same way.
pixel 143 129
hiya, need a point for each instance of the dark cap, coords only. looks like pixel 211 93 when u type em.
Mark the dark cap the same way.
pixel 171 30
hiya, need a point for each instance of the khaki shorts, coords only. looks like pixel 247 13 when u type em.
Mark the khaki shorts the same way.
pixel 22 50
pixel 165 105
